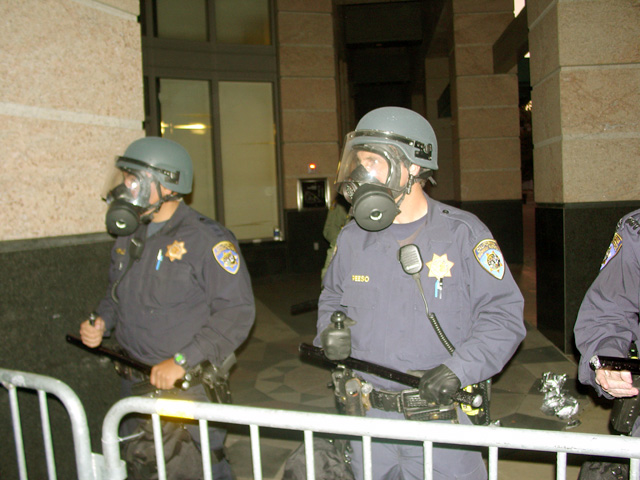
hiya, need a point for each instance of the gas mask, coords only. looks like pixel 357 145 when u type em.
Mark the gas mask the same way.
pixel 127 193
pixel 369 177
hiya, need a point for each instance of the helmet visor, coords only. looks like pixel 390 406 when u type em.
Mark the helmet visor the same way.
pixel 370 163
pixel 128 185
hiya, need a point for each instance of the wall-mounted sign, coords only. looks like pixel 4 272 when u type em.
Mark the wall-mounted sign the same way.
pixel 313 193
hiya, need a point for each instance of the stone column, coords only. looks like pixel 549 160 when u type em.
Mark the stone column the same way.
pixel 437 86
pixel 585 77
pixel 486 145
pixel 308 92
pixel 309 119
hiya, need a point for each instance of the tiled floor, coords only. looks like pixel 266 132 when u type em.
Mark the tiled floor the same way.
pixel 270 374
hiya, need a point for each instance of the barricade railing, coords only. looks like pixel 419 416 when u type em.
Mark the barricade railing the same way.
pixel 428 433
pixel 87 466
pixel 111 467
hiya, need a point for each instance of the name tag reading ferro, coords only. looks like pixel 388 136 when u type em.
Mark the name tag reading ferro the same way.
pixel 360 278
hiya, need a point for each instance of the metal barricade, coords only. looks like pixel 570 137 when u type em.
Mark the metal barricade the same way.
pixel 111 467
pixel 492 437
pixel 88 467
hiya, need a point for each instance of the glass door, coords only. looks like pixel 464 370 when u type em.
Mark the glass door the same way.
pixel 248 158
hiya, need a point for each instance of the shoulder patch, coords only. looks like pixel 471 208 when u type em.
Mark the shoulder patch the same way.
pixel 488 254
pixel 226 255
pixel 614 248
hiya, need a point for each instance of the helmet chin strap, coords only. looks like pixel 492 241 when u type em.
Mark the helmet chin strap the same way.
pixel 147 217
pixel 406 190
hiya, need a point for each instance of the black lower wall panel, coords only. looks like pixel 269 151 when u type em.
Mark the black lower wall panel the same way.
pixel 571 240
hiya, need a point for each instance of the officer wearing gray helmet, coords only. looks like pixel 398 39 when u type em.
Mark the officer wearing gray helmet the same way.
pixel 179 291
pixel 455 273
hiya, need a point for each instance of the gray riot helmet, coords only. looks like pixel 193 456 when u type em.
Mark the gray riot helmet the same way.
pixel 146 164
pixel 370 169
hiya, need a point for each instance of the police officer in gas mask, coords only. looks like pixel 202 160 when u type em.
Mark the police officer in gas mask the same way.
pixel 376 174
pixel 423 287
pixel 179 291
pixel 136 190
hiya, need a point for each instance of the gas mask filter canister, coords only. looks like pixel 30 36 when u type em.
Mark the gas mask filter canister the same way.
pixel 126 209
pixel 373 207
pixel 122 218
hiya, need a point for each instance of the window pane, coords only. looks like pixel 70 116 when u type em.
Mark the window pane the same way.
pixel 247 136
pixel 185 117
pixel 182 20
pixel 243 22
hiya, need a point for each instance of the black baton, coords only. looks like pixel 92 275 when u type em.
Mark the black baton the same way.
pixel 310 351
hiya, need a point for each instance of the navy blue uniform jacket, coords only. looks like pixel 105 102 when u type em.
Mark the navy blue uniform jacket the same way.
pixel 190 293
pixel 480 308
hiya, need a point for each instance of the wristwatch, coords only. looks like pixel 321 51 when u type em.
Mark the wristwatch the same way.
pixel 180 359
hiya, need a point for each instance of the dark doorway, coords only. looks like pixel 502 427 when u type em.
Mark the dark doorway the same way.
pixel 383 46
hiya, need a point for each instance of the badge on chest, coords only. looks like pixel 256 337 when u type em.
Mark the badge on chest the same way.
pixel 439 268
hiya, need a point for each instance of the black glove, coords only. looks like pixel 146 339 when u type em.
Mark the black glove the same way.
pixel 438 385
pixel 336 338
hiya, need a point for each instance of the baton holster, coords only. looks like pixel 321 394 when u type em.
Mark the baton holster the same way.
pixel 216 380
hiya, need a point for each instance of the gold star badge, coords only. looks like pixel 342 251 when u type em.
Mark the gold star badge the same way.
pixel 175 250
pixel 440 266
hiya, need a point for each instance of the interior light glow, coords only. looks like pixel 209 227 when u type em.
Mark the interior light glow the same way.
pixel 191 126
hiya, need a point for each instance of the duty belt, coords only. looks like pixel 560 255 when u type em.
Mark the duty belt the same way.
pixel 411 405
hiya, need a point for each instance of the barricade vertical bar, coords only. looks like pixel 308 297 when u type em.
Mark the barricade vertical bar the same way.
pixel 428 460
pixel 205 448
pixel 493 463
pixel 366 457
pixel 12 379
pixel 255 452
pixel 157 440
pixel 561 466
pixel 309 455
pixel 46 435
pixel 634 469
pixel 17 431
pixel 114 467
